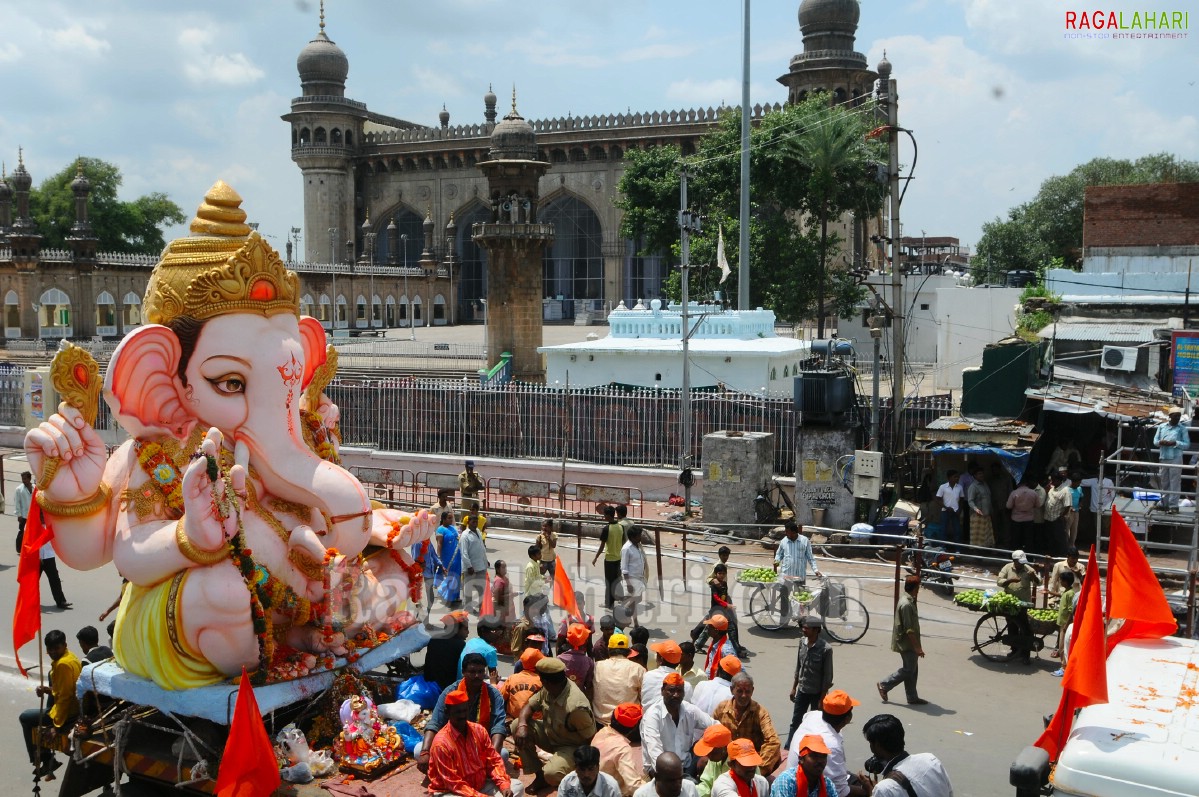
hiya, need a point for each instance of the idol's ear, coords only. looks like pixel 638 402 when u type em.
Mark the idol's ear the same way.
pixel 312 337
pixel 142 385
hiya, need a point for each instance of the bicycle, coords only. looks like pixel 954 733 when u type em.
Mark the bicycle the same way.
pixel 845 618
pixel 997 636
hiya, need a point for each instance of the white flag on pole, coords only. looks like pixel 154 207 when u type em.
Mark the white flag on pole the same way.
pixel 721 260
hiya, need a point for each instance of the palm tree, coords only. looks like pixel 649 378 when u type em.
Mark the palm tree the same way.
pixel 829 148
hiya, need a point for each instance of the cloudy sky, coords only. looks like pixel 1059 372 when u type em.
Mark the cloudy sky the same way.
pixel 181 93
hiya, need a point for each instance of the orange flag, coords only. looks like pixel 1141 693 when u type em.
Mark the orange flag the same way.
pixel 564 591
pixel 1085 682
pixel 1133 592
pixel 27 614
pixel 487 608
pixel 248 767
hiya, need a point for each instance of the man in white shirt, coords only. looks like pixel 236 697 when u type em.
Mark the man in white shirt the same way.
pixel 710 694
pixel 672 726
pixel 795 555
pixel 894 766
pixel 632 574
pixel 836 712
pixel 669 780
pixel 23 497
pixel 950 496
pixel 669 654
pixel 586 780
pixel 474 564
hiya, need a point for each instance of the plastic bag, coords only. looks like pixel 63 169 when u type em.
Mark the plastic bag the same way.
pixel 411 736
pixel 418 690
pixel 400 711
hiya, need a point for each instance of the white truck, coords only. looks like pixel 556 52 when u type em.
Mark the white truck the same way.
pixel 1144 742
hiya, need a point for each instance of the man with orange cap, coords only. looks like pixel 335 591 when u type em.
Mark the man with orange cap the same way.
pixel 836 712
pixel 579 666
pixel 712 747
pixel 462 760
pixel 807 778
pixel 617 678
pixel 742 779
pixel 523 684
pixel 722 644
pixel 710 694
pixel 672 726
pixel 748 719
pixel 615 743
pixel 485 702
pixel 669 654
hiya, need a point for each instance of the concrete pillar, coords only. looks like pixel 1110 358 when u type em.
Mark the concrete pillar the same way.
pixel 737 465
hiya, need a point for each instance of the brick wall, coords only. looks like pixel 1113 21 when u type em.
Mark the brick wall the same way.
pixel 1159 214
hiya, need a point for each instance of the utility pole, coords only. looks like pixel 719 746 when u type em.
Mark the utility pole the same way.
pixel 897 307
pixel 743 240
pixel 688 223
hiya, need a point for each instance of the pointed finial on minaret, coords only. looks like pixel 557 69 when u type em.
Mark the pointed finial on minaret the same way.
pixel 79 166
pixel 3 170
pixel 322 16
pixel 21 150
pixel 513 98
pixel 429 212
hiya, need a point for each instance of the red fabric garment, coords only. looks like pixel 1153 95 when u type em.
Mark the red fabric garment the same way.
pixel 462 764
pixel 484 717
pixel 27 613
pixel 564 591
pixel 488 606
pixel 1133 592
pixel 1085 682
pixel 801 784
pixel 248 767
pixel 715 654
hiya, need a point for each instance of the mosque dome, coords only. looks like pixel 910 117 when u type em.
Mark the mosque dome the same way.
pixel 835 14
pixel 323 66
pixel 513 139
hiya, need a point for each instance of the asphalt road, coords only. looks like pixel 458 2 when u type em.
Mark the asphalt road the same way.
pixel 980 716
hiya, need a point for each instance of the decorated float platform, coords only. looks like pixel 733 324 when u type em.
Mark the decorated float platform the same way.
pixel 215 703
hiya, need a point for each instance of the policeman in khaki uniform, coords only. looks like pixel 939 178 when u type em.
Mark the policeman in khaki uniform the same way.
pixel 566 723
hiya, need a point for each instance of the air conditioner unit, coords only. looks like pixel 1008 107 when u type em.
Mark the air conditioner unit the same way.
pixel 1119 358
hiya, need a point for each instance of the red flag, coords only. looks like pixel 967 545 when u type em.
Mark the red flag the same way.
pixel 248 767
pixel 1133 592
pixel 27 614
pixel 564 591
pixel 488 607
pixel 1085 682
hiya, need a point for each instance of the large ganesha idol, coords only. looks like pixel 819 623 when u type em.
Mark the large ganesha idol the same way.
pixel 245 544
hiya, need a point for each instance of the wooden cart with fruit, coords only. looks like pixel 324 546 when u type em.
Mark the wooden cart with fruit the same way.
pixel 996 636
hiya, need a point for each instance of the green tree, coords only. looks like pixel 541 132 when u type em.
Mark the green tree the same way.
pixel 1050 224
pixel 784 235
pixel 131 227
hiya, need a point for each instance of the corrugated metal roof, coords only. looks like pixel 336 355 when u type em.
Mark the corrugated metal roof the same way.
pixel 1102 331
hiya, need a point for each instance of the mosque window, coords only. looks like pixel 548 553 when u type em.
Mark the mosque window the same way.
pixel 598 154
pixel 349 138
pixel 335 136
pixel 12 313
pixel 573 266
pixel 617 153
pixel 305 136
pixel 578 154
pixel 319 136
pixel 106 314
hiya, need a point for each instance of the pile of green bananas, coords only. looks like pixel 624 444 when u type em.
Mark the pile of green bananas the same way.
pixel 970 597
pixel 1000 602
pixel 759 574
pixel 1044 615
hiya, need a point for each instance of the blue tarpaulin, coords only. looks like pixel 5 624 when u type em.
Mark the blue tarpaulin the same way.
pixel 1014 461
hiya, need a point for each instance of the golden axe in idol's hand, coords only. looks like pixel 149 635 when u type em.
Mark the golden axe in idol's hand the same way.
pixel 227 511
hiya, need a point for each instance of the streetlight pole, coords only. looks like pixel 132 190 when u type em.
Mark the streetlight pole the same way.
pixel 333 266
pixel 688 223
pixel 407 298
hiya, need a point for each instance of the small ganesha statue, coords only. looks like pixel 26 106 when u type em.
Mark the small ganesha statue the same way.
pixel 366 742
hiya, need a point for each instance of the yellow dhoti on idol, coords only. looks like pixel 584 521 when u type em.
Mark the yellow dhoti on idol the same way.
pixel 149 641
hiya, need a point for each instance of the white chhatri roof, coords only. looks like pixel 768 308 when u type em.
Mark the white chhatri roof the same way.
pixel 770 346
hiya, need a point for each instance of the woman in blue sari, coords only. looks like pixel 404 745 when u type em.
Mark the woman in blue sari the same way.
pixel 425 554
pixel 448 580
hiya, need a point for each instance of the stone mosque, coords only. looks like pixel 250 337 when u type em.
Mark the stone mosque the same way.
pixel 400 217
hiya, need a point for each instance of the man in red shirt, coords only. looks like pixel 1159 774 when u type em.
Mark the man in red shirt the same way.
pixel 462 760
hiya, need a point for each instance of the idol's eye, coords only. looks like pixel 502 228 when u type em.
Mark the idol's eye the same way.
pixel 229 384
